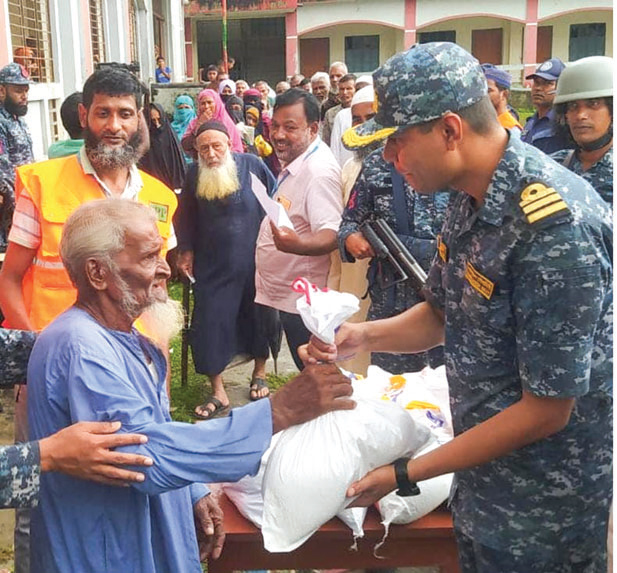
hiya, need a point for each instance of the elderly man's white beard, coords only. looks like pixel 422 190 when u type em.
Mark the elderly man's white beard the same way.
pixel 162 320
pixel 218 182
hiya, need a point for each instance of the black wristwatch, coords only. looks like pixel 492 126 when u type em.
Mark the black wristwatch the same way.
pixel 406 487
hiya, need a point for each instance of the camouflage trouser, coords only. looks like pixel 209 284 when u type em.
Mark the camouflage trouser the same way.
pixel 477 558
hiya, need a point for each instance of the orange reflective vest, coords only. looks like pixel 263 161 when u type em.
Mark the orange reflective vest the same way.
pixel 57 187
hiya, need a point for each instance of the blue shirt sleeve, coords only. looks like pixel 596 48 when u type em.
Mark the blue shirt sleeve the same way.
pixel 218 450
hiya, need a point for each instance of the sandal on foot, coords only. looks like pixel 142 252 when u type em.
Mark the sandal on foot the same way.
pixel 258 384
pixel 219 408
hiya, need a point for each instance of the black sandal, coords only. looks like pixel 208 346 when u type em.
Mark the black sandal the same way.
pixel 258 384
pixel 219 408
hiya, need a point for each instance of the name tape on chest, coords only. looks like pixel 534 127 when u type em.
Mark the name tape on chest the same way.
pixel 442 249
pixel 539 202
pixel 162 211
pixel 479 282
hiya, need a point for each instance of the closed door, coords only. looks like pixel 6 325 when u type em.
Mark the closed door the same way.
pixel 544 49
pixel 487 45
pixel 314 56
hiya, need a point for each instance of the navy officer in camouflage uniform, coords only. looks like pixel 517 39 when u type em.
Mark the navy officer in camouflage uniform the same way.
pixel 81 450
pixel 381 192
pixel 520 294
pixel 584 102
pixel 15 140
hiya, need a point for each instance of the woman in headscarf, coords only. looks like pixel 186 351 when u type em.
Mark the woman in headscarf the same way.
pixel 235 108
pixel 184 113
pixel 261 144
pixel 211 108
pixel 164 160
pixel 227 88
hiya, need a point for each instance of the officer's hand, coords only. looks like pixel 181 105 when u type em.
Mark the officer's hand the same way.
pixel 286 240
pixel 348 341
pixel 84 450
pixel 358 246
pixel 372 487
pixel 209 527
pixel 316 390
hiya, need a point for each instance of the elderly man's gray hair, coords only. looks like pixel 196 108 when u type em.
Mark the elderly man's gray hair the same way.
pixel 97 230
pixel 341 65
pixel 317 76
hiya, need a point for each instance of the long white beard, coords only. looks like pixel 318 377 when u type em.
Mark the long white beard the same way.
pixel 163 320
pixel 218 182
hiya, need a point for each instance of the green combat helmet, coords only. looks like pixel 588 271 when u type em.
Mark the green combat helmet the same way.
pixel 587 78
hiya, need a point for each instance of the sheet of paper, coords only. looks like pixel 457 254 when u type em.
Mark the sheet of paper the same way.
pixel 274 210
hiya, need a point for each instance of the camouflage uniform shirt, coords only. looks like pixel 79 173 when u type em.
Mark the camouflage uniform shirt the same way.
pixel 528 306
pixel 372 196
pixel 600 174
pixel 15 150
pixel 19 464
pixel 15 146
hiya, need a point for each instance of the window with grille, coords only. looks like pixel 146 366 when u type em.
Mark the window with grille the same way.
pixel 586 40
pixel 362 53
pixel 31 37
pixel 132 31
pixel 54 121
pixel 97 31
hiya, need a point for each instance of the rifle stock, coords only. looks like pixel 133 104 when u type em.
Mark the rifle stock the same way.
pixel 387 246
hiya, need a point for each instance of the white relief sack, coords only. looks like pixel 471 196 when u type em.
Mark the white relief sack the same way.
pixel 313 464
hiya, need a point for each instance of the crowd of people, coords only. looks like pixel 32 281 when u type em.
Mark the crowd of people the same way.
pixel 512 224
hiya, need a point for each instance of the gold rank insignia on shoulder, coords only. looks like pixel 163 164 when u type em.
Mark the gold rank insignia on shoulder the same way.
pixel 479 282
pixel 442 249
pixel 162 211
pixel 539 202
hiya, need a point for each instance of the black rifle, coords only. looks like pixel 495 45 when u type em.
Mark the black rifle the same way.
pixel 388 247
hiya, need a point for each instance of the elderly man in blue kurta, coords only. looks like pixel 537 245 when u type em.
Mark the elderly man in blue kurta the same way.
pixel 91 364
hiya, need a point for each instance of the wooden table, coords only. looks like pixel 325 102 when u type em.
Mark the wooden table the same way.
pixel 426 542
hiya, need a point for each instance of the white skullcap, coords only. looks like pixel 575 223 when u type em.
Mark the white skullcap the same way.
pixel 365 80
pixel 366 94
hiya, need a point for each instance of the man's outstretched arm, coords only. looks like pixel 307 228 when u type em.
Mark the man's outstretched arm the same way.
pixel 82 450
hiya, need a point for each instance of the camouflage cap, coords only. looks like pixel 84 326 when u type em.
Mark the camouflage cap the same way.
pixel 417 86
pixel 14 74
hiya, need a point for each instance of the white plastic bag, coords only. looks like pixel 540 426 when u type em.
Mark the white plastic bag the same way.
pixel 323 311
pixel 246 493
pixel 313 464
pixel 423 394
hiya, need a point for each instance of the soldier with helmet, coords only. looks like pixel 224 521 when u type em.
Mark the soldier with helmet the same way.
pixel 584 102
pixel 15 140
pixel 520 296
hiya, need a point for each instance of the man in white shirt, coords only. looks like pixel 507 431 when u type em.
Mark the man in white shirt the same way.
pixel 309 187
